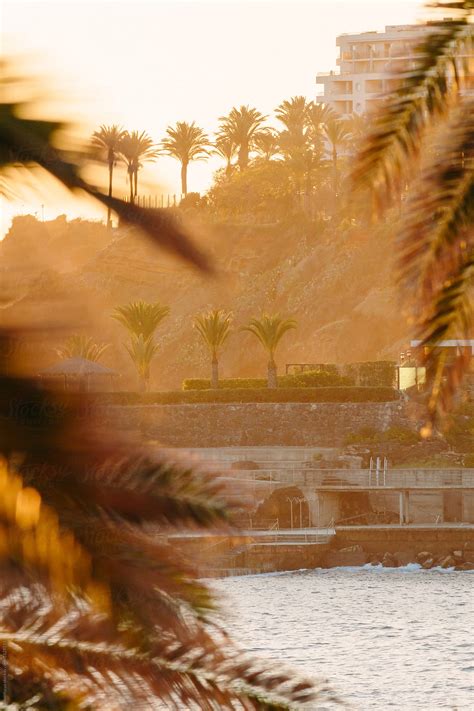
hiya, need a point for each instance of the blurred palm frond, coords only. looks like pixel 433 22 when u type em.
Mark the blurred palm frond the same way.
pixel 97 606
pixel 422 144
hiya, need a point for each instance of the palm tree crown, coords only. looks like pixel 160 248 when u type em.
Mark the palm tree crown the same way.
pixel 135 149
pixel 270 330
pixel 214 329
pixel 186 142
pixel 266 144
pixel 80 346
pixel 226 148
pixel 141 318
pixel 242 126
pixel 293 114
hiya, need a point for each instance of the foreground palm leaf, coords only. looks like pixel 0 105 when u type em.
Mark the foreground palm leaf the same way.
pixel 436 245
pixel 97 607
pixel 26 142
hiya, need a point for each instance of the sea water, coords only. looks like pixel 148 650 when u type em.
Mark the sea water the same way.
pixel 385 638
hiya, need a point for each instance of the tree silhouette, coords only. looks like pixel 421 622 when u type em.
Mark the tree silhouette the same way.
pixel 214 329
pixel 270 330
pixel 135 149
pixel 242 126
pixel 108 140
pixel 186 142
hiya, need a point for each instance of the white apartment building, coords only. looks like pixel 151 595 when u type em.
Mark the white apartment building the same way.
pixel 367 65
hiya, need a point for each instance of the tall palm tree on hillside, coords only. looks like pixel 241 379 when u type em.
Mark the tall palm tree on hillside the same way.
pixel 293 114
pixel 186 142
pixel 108 140
pixel 266 144
pixel 242 126
pixel 226 148
pixel 318 115
pixel 437 241
pixel 214 329
pixel 357 126
pixel 135 149
pixel 270 330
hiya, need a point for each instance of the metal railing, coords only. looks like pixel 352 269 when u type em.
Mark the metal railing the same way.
pixel 342 478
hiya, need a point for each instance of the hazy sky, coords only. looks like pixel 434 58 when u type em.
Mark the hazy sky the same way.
pixel 148 64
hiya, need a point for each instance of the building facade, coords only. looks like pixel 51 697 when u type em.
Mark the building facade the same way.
pixel 368 65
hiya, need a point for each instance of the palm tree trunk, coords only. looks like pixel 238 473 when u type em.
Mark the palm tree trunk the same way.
pixel 215 374
pixel 243 156
pixel 184 178
pixel 130 177
pixel 135 177
pixel 334 167
pixel 109 211
pixel 272 374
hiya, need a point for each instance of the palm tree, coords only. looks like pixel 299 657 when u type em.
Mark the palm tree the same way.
pixel 437 239
pixel 214 329
pixel 318 115
pixel 135 149
pixel 270 330
pixel 80 346
pixel 141 318
pixel 242 126
pixel 108 139
pixel 337 134
pixel 357 126
pixel 266 144
pixel 142 351
pixel 186 142
pixel 226 148
pixel 293 114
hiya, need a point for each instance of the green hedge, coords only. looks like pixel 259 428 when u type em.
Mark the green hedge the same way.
pixel 323 394
pixel 368 373
pixel 374 373
pixel 309 379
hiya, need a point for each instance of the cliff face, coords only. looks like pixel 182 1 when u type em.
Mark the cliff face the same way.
pixel 339 287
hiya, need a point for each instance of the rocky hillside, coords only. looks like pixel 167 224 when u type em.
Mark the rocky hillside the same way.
pixel 337 284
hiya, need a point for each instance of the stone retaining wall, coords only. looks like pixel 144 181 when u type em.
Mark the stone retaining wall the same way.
pixel 257 424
